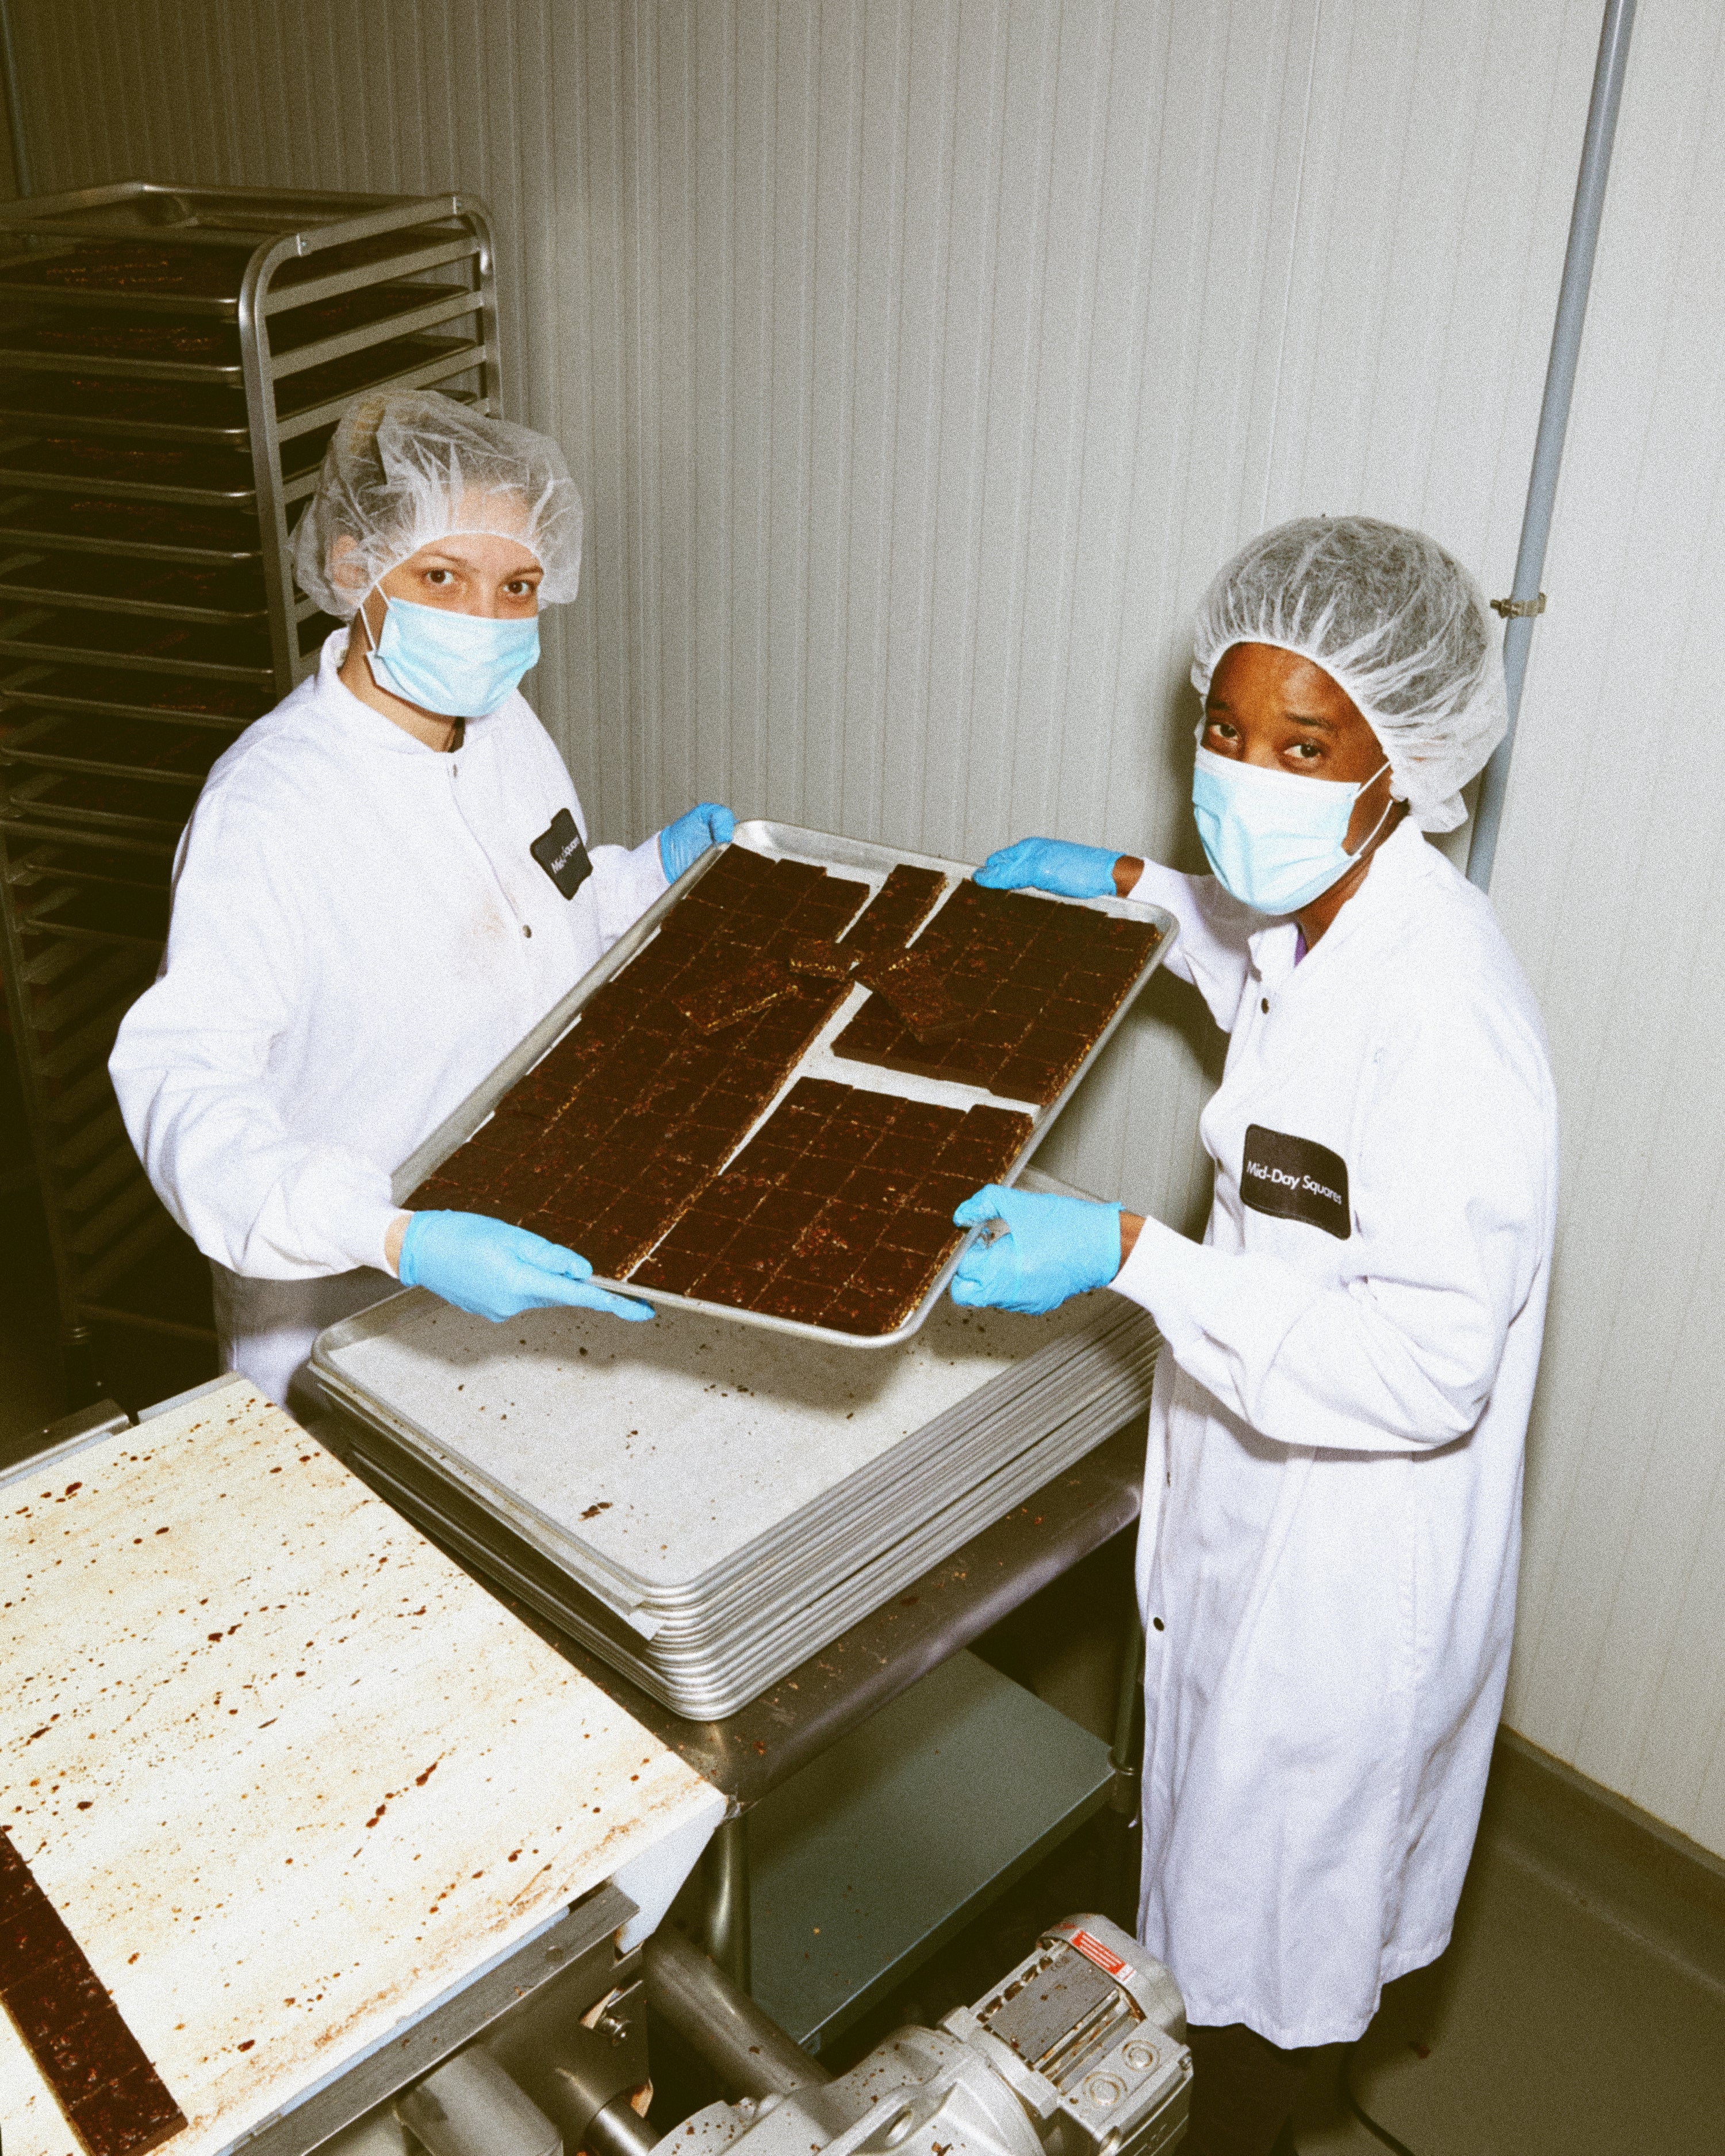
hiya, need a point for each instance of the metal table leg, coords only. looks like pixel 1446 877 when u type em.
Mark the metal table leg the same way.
pixel 725 1878
pixel 77 1363
pixel 1125 1759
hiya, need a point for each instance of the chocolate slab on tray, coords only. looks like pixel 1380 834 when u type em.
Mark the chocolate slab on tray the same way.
pixel 102 2079
pixel 1033 983
pixel 765 1099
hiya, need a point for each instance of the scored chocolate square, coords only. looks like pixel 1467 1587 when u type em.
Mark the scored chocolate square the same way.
pixel 700 1233
pixel 734 1196
pixel 829 1260
pixel 867 1311
pixel 615 1246
pixel 804 1302
pixel 701 1142
pixel 1012 959
pixel 850 1143
pixel 897 1172
pixel 785 1215
pixel 895 1269
pixel 674 1272
pixel 820 955
pixel 819 1175
pixel 725 1281
pixel 737 869
pixel 715 1004
pixel 945 1190
pixel 842 1220
pixel 931 1235
pixel 897 910
pixel 871 1186
pixel 918 992
pixel 764 1159
pixel 819 1096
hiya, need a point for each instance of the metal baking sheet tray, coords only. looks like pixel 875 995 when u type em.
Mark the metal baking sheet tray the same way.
pixel 704 1504
pixel 215 216
pixel 180 478
pixel 54 742
pixel 37 337
pixel 219 272
pixel 47 521
pixel 119 804
pixel 112 695
pixel 856 858
pixel 309 401
pixel 76 580
pixel 144 413
pixel 98 640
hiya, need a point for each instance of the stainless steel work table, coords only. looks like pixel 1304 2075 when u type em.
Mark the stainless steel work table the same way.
pixel 863 1673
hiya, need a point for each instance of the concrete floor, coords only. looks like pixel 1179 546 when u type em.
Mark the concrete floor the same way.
pixel 1553 2026
pixel 1571 2015
pixel 1548 2026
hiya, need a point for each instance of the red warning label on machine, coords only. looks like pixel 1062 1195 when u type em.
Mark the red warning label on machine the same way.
pixel 1092 1949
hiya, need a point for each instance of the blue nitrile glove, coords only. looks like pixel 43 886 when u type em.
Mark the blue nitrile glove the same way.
pixel 682 843
pixel 497 1272
pixel 1050 864
pixel 1053 1247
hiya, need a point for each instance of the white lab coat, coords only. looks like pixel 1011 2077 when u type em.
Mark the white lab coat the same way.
pixel 360 933
pixel 1333 1495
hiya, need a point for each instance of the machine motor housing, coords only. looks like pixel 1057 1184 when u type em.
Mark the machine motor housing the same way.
pixel 1079 2052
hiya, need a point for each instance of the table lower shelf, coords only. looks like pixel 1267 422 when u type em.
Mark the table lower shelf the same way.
pixel 881 1849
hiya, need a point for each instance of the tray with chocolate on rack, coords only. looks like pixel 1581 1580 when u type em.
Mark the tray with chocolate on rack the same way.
pixel 690 1121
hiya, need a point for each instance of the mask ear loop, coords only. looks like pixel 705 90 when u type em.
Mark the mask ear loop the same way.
pixel 373 641
pixel 1366 844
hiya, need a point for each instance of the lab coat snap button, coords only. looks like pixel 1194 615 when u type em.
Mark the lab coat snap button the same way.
pixel 525 930
pixel 1265 1006
pixel 1157 1623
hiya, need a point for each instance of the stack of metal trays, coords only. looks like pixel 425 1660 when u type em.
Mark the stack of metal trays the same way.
pixel 704 1504
pixel 172 361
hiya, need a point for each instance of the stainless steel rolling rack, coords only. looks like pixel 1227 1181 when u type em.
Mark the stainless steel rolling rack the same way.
pixel 173 361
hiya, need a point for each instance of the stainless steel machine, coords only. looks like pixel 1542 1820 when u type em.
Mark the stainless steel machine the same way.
pixel 173 361
pixel 1079 2052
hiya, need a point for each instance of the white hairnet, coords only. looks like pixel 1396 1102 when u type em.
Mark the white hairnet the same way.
pixel 404 467
pixel 1396 621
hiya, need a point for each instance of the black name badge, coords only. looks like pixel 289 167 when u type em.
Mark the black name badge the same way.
pixel 561 855
pixel 1293 1179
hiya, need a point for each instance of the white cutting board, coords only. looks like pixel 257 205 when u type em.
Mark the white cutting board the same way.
pixel 288 1775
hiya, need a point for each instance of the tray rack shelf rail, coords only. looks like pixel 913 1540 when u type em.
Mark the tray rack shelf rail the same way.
pixel 172 361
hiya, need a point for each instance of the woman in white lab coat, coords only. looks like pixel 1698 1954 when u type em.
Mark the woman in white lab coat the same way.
pixel 384 885
pixel 1332 1505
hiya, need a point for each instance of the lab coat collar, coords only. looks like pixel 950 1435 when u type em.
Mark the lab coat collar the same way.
pixel 369 728
pixel 1398 867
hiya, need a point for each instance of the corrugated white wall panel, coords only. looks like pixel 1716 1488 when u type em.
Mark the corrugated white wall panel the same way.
pixel 921 361
pixel 1612 880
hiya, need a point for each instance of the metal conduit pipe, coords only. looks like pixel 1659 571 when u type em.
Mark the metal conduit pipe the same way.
pixel 618 2130
pixel 746 2047
pixel 1526 600
pixel 470 2106
pixel 14 102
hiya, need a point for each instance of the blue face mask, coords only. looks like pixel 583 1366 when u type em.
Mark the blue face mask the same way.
pixel 460 665
pixel 1274 839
